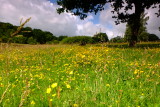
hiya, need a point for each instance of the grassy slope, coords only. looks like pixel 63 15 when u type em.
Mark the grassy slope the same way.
pixel 86 76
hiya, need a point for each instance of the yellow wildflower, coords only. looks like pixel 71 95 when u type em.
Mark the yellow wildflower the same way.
pixel 107 85
pixel 68 86
pixel 54 85
pixel 53 95
pixel 136 71
pixel 75 105
pixel 48 90
pixel 83 56
pixel 32 102
pixel 71 73
pixel 141 71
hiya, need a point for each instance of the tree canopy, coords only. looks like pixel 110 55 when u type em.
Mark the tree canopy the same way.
pixel 100 37
pixel 120 7
pixel 142 33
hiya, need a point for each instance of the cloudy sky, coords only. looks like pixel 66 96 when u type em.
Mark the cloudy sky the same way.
pixel 45 17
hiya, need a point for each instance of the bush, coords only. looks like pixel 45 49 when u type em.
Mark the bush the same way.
pixel 143 36
pixel 81 40
pixel 31 41
pixel 100 37
pixel 117 39
pixel 5 39
pixel 153 37
pixel 60 38
pixel 53 42
pixel 19 39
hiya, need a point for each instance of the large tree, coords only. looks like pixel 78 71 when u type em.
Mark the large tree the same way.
pixel 142 33
pixel 82 7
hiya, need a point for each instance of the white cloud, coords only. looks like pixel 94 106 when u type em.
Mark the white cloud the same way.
pixel 111 29
pixel 43 13
pixel 154 22
pixel 87 28
pixel 45 17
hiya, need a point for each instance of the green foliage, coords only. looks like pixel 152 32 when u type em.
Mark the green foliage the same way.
pixel 29 35
pixel 81 40
pixel 19 39
pixel 5 39
pixel 53 42
pixel 153 37
pixel 39 36
pixel 143 36
pixel 100 37
pixel 49 36
pixel 142 33
pixel 60 38
pixel 31 41
pixel 117 39
pixel 5 31
pixel 27 32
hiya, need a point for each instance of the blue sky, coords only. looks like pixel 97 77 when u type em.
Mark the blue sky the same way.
pixel 45 17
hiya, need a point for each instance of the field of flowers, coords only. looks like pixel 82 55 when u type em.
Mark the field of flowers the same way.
pixel 79 76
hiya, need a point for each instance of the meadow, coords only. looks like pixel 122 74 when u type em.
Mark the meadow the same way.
pixel 79 76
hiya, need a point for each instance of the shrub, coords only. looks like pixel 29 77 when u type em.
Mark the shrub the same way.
pixel 117 39
pixel 60 38
pixel 153 37
pixel 53 42
pixel 19 39
pixel 100 37
pixel 81 40
pixel 31 41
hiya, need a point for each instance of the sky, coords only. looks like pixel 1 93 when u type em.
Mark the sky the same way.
pixel 44 16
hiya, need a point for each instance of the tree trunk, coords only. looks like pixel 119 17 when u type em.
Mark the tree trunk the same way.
pixel 132 44
pixel 134 23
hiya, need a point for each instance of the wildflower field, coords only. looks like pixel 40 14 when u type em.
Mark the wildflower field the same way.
pixel 79 76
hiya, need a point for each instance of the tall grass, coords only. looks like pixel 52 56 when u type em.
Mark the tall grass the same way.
pixel 79 76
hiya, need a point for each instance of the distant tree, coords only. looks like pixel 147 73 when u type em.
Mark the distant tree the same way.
pixel 152 37
pixel 49 36
pixel 31 41
pixel 100 37
pixel 5 31
pixel 60 38
pixel 27 32
pixel 19 39
pixel 81 40
pixel 39 36
pixel 143 36
pixel 82 7
pixel 53 42
pixel 11 33
pixel 117 39
pixel 4 39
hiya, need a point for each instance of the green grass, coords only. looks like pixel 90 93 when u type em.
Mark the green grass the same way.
pixel 86 76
